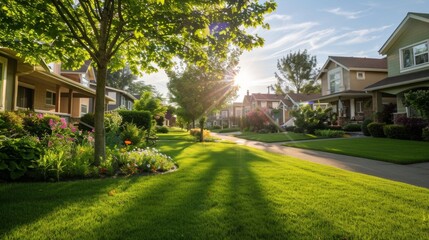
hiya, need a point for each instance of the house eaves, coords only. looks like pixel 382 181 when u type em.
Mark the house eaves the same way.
pixel 400 29
pixel 400 80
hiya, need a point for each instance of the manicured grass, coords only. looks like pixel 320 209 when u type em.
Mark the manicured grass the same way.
pixel 175 134
pixel 276 137
pixel 383 149
pixel 221 191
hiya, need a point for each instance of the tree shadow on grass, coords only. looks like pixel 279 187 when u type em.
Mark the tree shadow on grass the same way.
pixel 220 197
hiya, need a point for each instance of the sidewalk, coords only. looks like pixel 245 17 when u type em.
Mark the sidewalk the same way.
pixel 415 174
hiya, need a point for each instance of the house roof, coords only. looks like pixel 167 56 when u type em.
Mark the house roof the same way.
pixel 356 63
pixel 267 97
pixel 129 95
pixel 82 69
pixel 343 95
pixel 401 28
pixel 400 80
pixel 300 97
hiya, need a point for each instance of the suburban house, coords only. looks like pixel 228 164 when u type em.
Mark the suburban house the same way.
pixel 122 98
pixel 269 103
pixel 343 81
pixel 407 63
pixel 39 88
pixel 227 117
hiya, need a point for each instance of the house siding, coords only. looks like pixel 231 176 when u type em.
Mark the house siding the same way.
pixel 40 93
pixel 370 78
pixel 415 31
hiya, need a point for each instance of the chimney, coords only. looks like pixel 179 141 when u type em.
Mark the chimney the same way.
pixel 248 93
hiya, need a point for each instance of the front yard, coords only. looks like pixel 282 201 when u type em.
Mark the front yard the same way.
pixel 276 137
pixel 383 149
pixel 220 191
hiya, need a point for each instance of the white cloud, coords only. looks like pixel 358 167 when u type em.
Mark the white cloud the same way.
pixel 347 14
pixel 278 17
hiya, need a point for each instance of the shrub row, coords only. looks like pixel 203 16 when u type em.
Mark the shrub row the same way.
pixel 142 119
pixel 407 128
pixel 329 133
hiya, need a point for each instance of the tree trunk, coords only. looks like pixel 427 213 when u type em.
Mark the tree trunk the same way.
pixel 202 121
pixel 193 123
pixel 100 140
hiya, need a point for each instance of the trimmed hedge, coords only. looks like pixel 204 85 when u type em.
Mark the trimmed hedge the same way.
pixel 329 133
pixel 88 119
pixel 364 127
pixel 352 127
pixel 395 131
pixel 413 126
pixel 376 129
pixel 161 129
pixel 142 119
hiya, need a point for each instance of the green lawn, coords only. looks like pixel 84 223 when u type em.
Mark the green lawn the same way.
pixel 220 191
pixel 276 137
pixel 383 149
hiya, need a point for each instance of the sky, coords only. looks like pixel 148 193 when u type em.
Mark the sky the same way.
pixel 324 28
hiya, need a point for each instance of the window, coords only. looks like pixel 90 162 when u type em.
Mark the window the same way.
pixel 359 107
pixel 264 104
pixel 85 81
pixel 275 104
pixel 360 75
pixel 25 98
pixel 50 97
pixel 123 101
pixel 335 77
pixel 130 105
pixel 415 55
pixel 83 109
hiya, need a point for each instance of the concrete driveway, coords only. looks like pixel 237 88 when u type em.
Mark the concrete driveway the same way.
pixel 415 174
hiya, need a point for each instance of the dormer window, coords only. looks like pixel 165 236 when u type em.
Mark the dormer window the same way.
pixel 360 75
pixel 414 55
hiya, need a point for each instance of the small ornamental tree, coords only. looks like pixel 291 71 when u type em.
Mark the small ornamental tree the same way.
pixel 257 119
pixel 419 100
pixel 309 119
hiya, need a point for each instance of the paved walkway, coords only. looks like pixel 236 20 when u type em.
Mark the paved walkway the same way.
pixel 415 174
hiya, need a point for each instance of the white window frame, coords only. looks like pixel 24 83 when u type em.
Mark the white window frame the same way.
pixel 3 77
pixel 334 72
pixel 83 112
pixel 414 66
pixel 264 104
pixel 130 105
pixel 123 101
pixel 51 99
pixel 360 75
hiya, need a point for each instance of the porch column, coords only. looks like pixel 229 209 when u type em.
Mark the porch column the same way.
pixel 70 103
pixel 14 97
pixel 377 102
pixel 58 99
pixel 352 108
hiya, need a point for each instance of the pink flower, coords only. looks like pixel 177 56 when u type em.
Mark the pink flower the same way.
pixel 73 129
pixel 63 123
pixel 40 115
pixel 51 122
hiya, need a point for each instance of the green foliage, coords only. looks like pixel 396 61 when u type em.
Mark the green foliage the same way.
pixel 112 121
pixel 364 127
pixel 297 70
pixel 39 124
pixel 352 127
pixel 395 131
pixel 329 133
pixel 17 154
pixel 135 135
pixel 89 120
pixel 198 90
pixel 122 79
pixel 425 134
pixel 256 120
pixel 413 126
pixel 419 100
pixel 142 119
pixel 196 132
pixel 376 129
pixel 11 123
pixel 309 119
pixel 161 129
pixel 148 102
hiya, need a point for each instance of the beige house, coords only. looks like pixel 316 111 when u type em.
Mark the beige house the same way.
pixel 38 88
pixel 407 51
pixel 343 82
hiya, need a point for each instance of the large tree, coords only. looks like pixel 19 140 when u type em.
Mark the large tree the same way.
pixel 296 70
pixel 198 90
pixel 115 32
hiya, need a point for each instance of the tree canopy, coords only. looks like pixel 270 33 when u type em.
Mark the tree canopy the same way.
pixel 296 70
pixel 199 90
pixel 151 103
pixel 145 34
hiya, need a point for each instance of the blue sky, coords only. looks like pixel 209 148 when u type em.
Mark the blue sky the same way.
pixel 325 28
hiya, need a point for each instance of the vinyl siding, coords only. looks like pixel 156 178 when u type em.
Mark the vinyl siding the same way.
pixel 415 31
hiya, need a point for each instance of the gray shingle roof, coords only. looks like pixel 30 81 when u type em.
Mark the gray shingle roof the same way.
pixel 357 62
pixel 400 80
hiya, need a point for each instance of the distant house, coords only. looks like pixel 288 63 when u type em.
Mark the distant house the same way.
pixel 122 98
pixel 268 103
pixel 229 116
pixel 407 51
pixel 38 88
pixel 343 82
